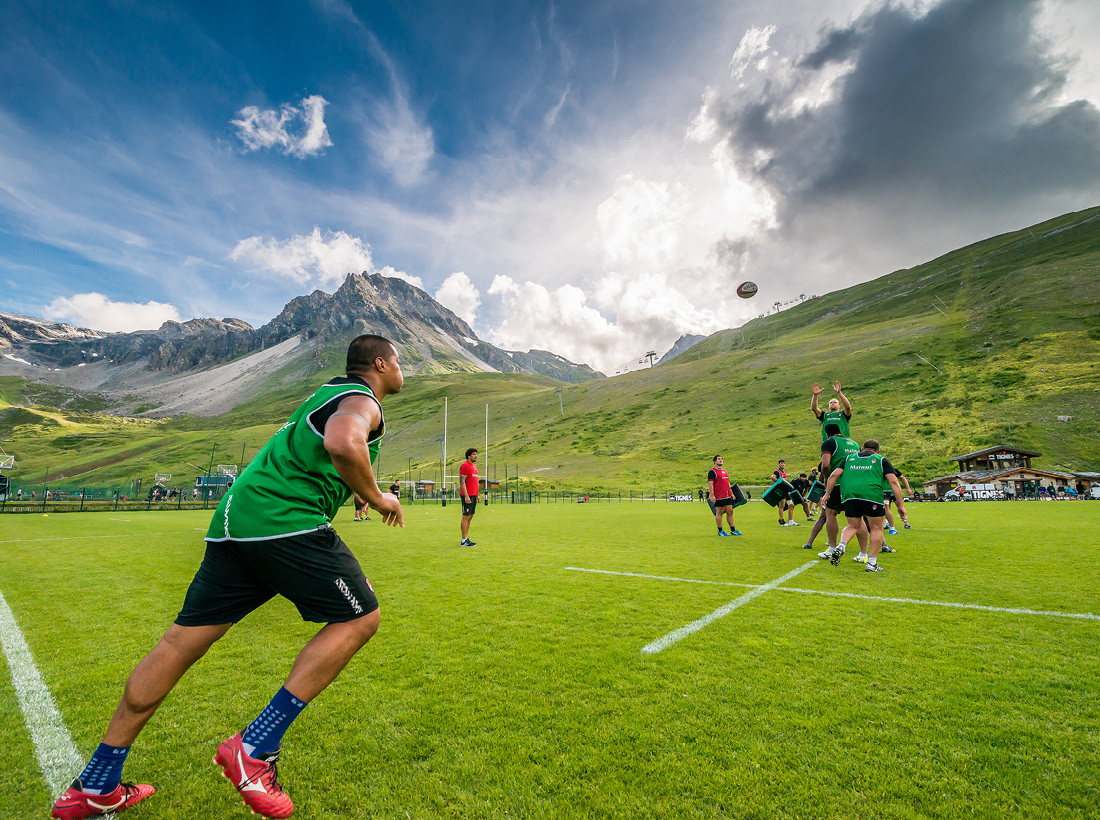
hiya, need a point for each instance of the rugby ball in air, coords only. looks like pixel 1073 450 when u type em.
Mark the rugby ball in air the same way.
pixel 746 290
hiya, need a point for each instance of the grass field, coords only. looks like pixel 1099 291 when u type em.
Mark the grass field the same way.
pixel 502 683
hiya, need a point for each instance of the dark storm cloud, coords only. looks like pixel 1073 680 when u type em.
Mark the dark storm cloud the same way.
pixel 960 104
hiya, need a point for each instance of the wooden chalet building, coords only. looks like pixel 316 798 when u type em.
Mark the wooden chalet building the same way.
pixel 1009 469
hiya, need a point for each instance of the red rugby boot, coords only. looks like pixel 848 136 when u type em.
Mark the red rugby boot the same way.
pixel 255 778
pixel 75 804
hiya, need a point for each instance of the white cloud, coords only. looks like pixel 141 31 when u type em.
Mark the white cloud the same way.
pixel 296 131
pixel 641 221
pixel 401 144
pixel 460 295
pixel 557 320
pixel 312 259
pixel 753 44
pixel 96 311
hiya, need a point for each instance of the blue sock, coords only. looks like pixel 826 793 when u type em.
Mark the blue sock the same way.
pixel 104 771
pixel 265 733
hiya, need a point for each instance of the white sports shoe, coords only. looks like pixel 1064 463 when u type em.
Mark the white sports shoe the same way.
pixel 861 558
pixel 826 555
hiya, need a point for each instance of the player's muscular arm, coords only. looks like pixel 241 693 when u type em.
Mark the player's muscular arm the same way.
pixel 834 476
pixel 843 399
pixel 346 434
pixel 813 400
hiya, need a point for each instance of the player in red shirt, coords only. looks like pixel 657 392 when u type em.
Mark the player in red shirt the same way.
pixel 719 482
pixel 467 482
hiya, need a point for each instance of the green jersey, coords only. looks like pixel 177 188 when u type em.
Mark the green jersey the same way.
pixel 838 418
pixel 838 452
pixel 292 487
pixel 863 478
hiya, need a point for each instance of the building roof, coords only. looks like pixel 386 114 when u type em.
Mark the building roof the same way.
pixel 996 449
pixel 1091 476
pixel 986 476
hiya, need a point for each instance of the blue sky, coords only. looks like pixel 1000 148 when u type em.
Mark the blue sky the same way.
pixel 594 178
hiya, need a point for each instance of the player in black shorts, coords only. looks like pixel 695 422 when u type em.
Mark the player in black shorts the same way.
pixel 802 488
pixel 270 535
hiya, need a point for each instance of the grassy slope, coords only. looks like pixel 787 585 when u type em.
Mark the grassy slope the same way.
pixel 1011 323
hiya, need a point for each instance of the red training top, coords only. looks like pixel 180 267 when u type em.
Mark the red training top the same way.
pixel 721 481
pixel 468 474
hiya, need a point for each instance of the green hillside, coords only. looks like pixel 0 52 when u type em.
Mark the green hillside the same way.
pixel 1008 328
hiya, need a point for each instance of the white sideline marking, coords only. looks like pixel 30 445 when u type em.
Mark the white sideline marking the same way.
pixel 721 612
pixel 1086 616
pixel 57 754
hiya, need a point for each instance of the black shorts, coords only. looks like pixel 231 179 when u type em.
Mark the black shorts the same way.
pixel 471 507
pixel 316 572
pixel 723 502
pixel 858 508
pixel 833 501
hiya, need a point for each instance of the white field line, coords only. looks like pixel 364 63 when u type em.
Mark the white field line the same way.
pixel 1086 616
pixel 1083 616
pixel 57 754
pixel 722 611
pixel 663 577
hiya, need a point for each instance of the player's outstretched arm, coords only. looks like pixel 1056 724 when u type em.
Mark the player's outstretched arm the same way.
pixel 843 399
pixel 346 442
pixel 814 389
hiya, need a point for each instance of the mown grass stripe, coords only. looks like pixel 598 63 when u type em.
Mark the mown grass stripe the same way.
pixel 57 754
pixel 722 611
pixel 83 537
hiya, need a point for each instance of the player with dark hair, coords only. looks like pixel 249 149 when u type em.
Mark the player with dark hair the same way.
pixel 467 484
pixel 271 535
pixel 780 474
pixel 802 488
pixel 862 480
pixel 718 480
pixel 834 415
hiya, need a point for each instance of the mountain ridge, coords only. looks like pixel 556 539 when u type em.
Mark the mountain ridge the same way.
pixel 431 338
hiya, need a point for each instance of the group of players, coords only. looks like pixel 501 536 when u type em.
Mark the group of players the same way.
pixel 857 480
pixel 272 535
